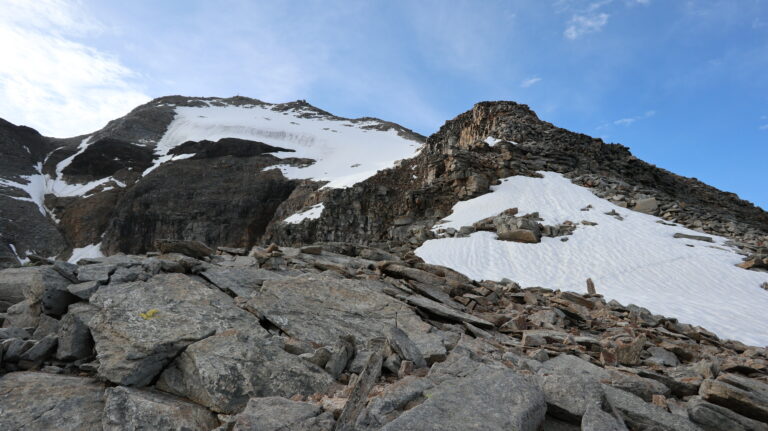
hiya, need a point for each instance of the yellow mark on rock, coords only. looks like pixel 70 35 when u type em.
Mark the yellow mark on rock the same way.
pixel 150 314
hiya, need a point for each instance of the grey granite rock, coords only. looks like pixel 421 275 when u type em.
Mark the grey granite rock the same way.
pixel 140 327
pixel 222 372
pixel 129 409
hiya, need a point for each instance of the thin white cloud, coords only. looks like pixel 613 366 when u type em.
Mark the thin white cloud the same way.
pixel 763 127
pixel 627 121
pixel 579 25
pixel 52 83
pixel 530 81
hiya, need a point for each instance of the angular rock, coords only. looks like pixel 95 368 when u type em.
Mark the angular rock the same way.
pixel 141 326
pixel 25 314
pixel 128 409
pixel 693 237
pixel 595 419
pixel 222 372
pixel 570 396
pixel 639 414
pixel 447 312
pixel 743 395
pixel 278 414
pixel 648 206
pixel 488 399
pixel 239 281
pixel 712 417
pixel 42 350
pixel 46 326
pixel 42 401
pixel 98 272
pixel 661 356
pixel 75 340
pixel 404 347
pixel 195 249
pixel 341 353
pixel 321 308
pixel 38 284
pixel 85 289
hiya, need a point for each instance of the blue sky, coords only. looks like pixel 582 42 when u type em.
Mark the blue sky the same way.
pixel 682 83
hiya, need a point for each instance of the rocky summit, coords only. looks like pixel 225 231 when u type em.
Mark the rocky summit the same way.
pixel 231 264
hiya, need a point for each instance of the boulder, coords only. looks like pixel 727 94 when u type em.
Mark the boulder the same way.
pixel 321 308
pixel 195 249
pixel 222 372
pixel 743 395
pixel 128 409
pixel 141 326
pixel 639 414
pixel 41 284
pixel 712 417
pixel 41 401
pixel 569 396
pixel 278 414
pixel 488 399
pixel 25 314
pixel 596 419
pixel 75 340
pixel 648 205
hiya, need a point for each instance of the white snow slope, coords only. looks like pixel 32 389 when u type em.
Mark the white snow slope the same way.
pixel 345 152
pixel 636 260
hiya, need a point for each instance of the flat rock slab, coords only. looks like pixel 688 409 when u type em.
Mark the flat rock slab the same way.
pixel 489 399
pixel 239 281
pixel 321 308
pixel 40 402
pixel 141 326
pixel 222 372
pixel 129 409
pixel 278 414
pixel 447 312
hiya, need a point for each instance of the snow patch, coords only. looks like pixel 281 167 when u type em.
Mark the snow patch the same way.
pixel 492 141
pixel 636 260
pixel 344 155
pixel 312 213
pixel 88 252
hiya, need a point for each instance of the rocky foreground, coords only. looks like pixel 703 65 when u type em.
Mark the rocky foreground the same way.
pixel 335 336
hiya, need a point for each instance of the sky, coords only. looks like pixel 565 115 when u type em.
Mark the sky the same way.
pixel 682 83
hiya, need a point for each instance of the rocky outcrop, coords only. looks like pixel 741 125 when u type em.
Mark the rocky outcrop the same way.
pixel 330 336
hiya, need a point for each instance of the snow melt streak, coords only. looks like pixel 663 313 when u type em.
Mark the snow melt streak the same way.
pixel 636 260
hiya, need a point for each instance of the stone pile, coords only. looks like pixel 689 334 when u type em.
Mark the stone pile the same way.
pixel 337 336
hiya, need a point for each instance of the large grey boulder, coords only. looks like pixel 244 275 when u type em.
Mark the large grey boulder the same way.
pixel 222 372
pixel 42 402
pixel 129 409
pixel 489 399
pixel 321 308
pixel 140 327
pixel 278 414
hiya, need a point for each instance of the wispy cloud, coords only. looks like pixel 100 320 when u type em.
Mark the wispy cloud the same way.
pixel 763 127
pixel 530 81
pixel 52 83
pixel 628 121
pixel 579 25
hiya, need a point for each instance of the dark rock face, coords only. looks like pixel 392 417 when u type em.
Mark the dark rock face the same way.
pixel 107 156
pixel 225 147
pixel 21 222
pixel 226 201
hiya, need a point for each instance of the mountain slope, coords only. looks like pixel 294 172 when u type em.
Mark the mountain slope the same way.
pixel 238 172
